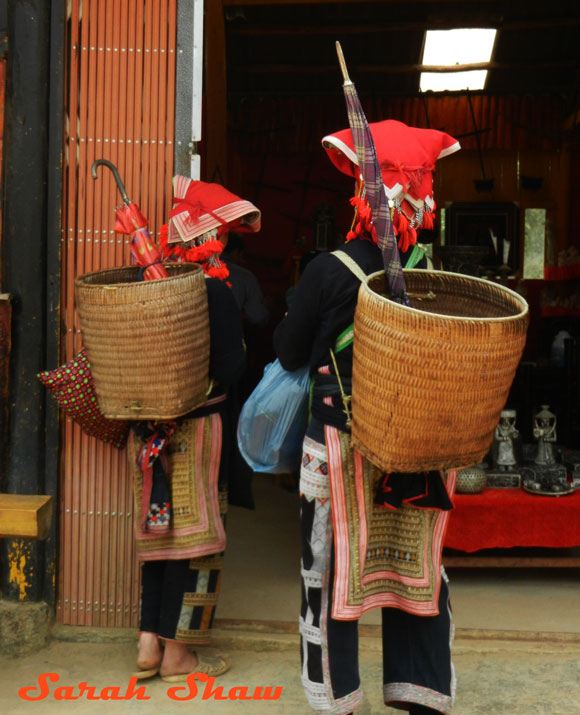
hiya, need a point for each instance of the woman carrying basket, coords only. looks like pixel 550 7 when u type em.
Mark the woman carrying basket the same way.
pixel 396 540
pixel 182 467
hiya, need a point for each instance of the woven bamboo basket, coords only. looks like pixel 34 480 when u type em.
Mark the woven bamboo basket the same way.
pixel 430 380
pixel 147 341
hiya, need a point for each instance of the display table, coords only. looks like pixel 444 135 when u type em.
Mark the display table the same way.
pixel 510 518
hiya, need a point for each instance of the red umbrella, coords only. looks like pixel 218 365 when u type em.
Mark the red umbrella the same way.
pixel 130 221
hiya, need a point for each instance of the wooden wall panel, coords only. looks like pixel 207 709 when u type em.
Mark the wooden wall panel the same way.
pixel 455 175
pixel 293 124
pixel 119 106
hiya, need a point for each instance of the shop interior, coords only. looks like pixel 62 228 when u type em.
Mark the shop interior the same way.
pixel 519 161
pixel 272 90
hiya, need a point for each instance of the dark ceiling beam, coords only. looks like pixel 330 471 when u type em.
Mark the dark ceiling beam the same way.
pixel 388 91
pixel 375 28
pixel 400 69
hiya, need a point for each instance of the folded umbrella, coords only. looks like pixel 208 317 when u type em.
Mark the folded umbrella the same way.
pixel 373 183
pixel 130 221
pixel 151 459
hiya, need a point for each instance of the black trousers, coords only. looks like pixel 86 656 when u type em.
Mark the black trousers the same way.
pixel 179 598
pixel 417 668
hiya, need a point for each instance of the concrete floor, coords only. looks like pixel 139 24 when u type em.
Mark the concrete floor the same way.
pixel 516 651
pixel 266 585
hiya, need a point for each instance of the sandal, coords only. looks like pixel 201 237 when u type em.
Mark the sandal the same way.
pixel 211 666
pixel 144 674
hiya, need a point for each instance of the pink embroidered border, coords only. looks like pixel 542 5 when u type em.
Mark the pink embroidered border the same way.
pixel 209 509
pixel 341 609
pixel 409 693
pixel 350 702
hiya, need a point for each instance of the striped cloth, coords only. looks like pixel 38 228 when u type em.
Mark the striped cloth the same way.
pixel 375 193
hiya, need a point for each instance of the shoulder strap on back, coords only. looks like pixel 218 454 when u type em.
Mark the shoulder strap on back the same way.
pixel 350 263
pixel 346 337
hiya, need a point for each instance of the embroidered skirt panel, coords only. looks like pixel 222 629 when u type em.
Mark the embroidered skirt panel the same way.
pixel 196 530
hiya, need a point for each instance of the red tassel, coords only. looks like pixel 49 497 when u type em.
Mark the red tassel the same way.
pixel 220 272
pixel 400 223
pixel 363 221
pixel 407 238
pixel 402 242
pixel 428 220
pixel 172 251
pixel 198 254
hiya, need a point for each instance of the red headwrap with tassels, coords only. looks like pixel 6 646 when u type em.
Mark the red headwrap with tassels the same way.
pixel 407 157
pixel 206 254
pixel 200 214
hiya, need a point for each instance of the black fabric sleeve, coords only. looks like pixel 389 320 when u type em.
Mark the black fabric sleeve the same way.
pixel 227 359
pixel 294 336
pixel 323 306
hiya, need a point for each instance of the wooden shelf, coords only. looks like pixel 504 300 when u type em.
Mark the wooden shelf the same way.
pixel 511 561
pixel 25 516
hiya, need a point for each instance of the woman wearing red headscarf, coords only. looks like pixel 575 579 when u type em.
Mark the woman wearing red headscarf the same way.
pixel 388 554
pixel 182 470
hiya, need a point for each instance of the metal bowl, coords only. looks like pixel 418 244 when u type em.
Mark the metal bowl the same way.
pixel 471 480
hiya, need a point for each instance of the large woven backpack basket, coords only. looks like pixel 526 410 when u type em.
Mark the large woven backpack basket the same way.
pixel 430 380
pixel 147 341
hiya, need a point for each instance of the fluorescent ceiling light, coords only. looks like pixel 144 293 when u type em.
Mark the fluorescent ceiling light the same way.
pixel 452 47
pixel 452 81
pixel 456 47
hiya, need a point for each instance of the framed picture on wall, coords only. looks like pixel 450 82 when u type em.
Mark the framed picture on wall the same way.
pixel 491 226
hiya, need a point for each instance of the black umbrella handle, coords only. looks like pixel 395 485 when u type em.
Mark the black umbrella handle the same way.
pixel 118 181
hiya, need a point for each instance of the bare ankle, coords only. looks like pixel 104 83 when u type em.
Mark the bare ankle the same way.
pixel 149 650
pixel 177 658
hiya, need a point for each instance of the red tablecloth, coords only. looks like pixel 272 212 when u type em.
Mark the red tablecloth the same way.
pixel 505 518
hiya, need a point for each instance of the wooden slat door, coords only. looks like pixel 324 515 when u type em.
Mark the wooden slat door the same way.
pixel 121 59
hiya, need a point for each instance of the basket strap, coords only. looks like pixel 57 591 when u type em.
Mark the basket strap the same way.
pixel 345 398
pixel 347 335
pixel 350 263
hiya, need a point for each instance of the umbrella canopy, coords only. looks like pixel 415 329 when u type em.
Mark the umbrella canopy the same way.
pixel 373 186
pixel 130 221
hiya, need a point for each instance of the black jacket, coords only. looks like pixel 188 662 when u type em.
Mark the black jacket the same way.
pixel 322 307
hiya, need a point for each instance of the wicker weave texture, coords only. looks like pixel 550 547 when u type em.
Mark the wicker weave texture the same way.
pixel 147 341
pixel 430 381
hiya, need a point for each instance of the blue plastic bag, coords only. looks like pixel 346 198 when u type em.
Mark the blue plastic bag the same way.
pixel 273 420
